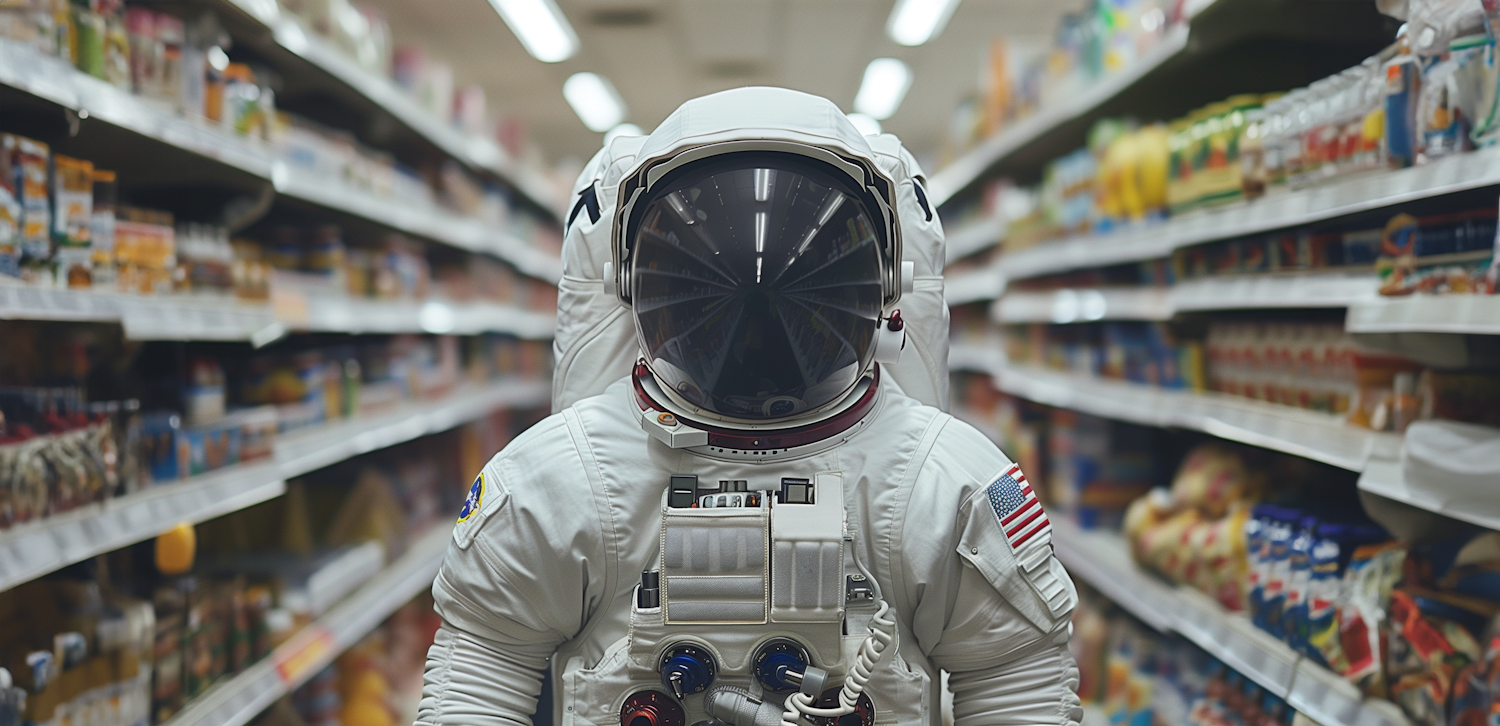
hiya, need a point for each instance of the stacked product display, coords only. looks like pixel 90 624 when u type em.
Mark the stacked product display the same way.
pixel 1103 39
pixel 62 226
pixel 135 637
pixel 172 414
pixel 264 314
pixel 181 61
pixel 1404 107
pixel 1402 608
pixel 1253 348
pixel 1309 365
pixel 377 683
pixel 1135 676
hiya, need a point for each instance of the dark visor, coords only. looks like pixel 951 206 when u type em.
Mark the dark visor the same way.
pixel 756 286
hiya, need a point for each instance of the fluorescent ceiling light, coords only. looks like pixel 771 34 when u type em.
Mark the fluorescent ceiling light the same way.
pixel 866 123
pixel 541 27
pixel 595 100
pixel 622 130
pixel 884 87
pixel 914 22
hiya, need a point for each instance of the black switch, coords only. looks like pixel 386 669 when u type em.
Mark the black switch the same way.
pixel 684 491
pixel 796 491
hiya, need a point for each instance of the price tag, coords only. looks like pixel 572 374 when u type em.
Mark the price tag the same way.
pixel 297 658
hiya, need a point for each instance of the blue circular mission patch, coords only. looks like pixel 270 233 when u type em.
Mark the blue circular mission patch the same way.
pixel 474 500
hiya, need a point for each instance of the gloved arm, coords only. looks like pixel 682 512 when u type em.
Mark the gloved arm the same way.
pixel 520 577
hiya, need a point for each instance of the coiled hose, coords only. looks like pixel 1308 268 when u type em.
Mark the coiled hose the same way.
pixel 882 633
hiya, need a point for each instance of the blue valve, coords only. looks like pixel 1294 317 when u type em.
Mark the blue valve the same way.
pixel 777 657
pixel 687 669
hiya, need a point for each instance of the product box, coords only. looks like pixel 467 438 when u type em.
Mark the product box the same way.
pixel 145 251
pixel 10 210
pixel 257 427
pixel 174 452
pixel 30 161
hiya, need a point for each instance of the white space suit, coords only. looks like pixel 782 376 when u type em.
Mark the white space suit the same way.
pixel 755 524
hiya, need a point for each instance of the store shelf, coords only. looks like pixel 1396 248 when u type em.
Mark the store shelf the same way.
pixel 1278 210
pixel 167 317
pixel 1386 478
pixel 1308 434
pixel 970 167
pixel 289 35
pixel 199 317
pixel 975 357
pixel 51 79
pixel 1103 560
pixel 343 315
pixel 1252 292
pixel 971 286
pixel 238 700
pixel 300 453
pixel 973 238
pixel 1479 314
pixel 1146 242
pixel 33 549
pixel 1083 306
pixel 422 220
pixel 529 260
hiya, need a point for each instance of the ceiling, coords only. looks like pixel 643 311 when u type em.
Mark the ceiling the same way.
pixel 659 53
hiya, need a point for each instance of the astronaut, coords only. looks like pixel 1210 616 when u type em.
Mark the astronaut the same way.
pixel 743 514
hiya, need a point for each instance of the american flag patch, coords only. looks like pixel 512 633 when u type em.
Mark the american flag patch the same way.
pixel 1016 506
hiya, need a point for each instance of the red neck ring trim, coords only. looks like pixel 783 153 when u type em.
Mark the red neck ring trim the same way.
pixel 767 440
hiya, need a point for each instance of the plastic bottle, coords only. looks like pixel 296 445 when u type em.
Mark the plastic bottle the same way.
pixel 1402 87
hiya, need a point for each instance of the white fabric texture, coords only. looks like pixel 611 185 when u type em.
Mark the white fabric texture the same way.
pixel 595 342
pixel 570 514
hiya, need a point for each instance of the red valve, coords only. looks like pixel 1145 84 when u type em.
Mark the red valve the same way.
pixel 651 708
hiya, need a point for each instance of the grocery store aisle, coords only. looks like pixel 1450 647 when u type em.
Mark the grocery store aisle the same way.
pixel 277 277
pixel 1249 348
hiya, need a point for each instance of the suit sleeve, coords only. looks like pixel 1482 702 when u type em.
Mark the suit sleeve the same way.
pixel 1004 600
pixel 521 576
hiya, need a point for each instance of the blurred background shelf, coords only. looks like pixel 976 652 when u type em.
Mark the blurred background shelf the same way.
pixel 32 549
pixel 1317 203
pixel 1473 314
pixel 1083 305
pixel 210 318
pixel 971 166
pixel 1103 560
pixel 1307 434
pixel 250 162
pixel 237 701
pixel 316 63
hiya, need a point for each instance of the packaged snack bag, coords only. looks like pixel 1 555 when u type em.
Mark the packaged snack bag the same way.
pixel 1429 646
pixel 1368 581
